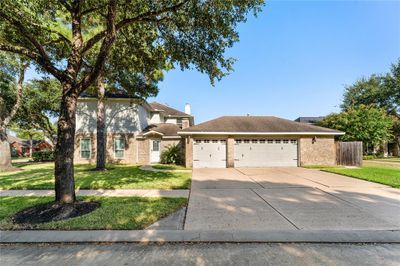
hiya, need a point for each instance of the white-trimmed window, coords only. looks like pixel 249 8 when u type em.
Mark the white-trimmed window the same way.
pixel 119 148
pixel 179 122
pixel 86 148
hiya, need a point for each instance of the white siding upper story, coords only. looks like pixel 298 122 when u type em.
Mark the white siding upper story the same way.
pixel 171 120
pixel 155 118
pixel 121 116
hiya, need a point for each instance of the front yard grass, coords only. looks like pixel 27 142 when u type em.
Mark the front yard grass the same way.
pixel 374 172
pixel 41 176
pixel 117 213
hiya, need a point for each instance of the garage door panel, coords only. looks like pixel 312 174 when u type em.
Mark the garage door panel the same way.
pixel 209 154
pixel 265 153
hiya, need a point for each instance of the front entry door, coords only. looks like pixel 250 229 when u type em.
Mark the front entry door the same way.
pixel 155 151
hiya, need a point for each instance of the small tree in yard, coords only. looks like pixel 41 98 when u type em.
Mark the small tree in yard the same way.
pixel 61 37
pixel 368 124
pixel 12 74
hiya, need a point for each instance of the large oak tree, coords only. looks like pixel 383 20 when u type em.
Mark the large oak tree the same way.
pixel 58 35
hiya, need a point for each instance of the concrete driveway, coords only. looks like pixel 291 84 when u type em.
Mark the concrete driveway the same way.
pixel 288 199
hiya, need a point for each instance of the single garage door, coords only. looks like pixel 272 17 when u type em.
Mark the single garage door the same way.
pixel 209 153
pixel 265 152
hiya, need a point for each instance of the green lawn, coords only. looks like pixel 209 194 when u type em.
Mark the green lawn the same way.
pixel 389 159
pixel 169 167
pixel 118 213
pixel 374 172
pixel 41 176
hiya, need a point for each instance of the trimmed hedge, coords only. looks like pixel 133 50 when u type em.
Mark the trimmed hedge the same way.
pixel 43 156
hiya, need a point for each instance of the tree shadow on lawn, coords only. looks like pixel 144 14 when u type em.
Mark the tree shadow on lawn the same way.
pixel 120 177
pixel 118 213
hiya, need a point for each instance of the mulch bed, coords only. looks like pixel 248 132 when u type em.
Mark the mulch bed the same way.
pixel 53 211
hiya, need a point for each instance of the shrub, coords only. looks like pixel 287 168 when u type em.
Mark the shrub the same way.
pixel 368 157
pixel 43 156
pixel 171 155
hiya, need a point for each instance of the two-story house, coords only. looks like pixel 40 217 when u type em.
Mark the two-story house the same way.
pixel 137 131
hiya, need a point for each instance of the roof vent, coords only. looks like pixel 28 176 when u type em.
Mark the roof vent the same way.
pixel 247 114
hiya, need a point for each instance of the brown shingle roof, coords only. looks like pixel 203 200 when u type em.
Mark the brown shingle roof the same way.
pixel 166 129
pixel 257 124
pixel 168 111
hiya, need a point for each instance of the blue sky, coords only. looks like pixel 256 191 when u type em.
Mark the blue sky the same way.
pixel 293 60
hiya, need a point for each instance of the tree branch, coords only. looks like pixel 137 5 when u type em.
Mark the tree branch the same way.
pixel 104 49
pixel 90 10
pixel 36 57
pixel 140 18
pixel 17 24
pixel 65 4
pixel 14 109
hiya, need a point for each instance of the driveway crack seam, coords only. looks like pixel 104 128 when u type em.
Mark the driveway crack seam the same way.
pixel 287 219
pixel 186 211
pixel 248 176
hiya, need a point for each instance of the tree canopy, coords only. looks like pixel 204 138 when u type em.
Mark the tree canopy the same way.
pixel 363 123
pixel 382 91
pixel 72 40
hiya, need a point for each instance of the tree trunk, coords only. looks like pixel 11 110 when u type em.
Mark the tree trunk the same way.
pixel 64 152
pixel 5 154
pixel 101 129
pixel 30 146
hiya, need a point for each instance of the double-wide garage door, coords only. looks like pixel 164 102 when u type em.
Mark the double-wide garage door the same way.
pixel 247 153
pixel 265 152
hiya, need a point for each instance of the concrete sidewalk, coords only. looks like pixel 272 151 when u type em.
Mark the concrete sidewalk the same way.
pixel 236 236
pixel 173 193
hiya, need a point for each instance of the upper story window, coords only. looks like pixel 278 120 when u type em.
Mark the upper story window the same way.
pixel 86 148
pixel 119 148
pixel 179 122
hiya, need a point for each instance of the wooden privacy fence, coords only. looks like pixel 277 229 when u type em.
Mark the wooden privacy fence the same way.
pixel 349 153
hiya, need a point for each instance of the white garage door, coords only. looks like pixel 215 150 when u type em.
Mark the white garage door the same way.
pixel 209 154
pixel 265 152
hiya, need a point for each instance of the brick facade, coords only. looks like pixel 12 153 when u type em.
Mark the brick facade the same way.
pixel 188 152
pixel 137 150
pixel 317 151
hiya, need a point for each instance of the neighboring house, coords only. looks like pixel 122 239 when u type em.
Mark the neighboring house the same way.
pixel 21 147
pixel 137 131
pixel 312 120
pixel 258 141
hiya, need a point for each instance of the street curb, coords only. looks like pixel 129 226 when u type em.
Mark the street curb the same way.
pixel 164 236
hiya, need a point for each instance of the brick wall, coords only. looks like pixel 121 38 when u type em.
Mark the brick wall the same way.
pixel 322 151
pixel 188 143
pixel 230 152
